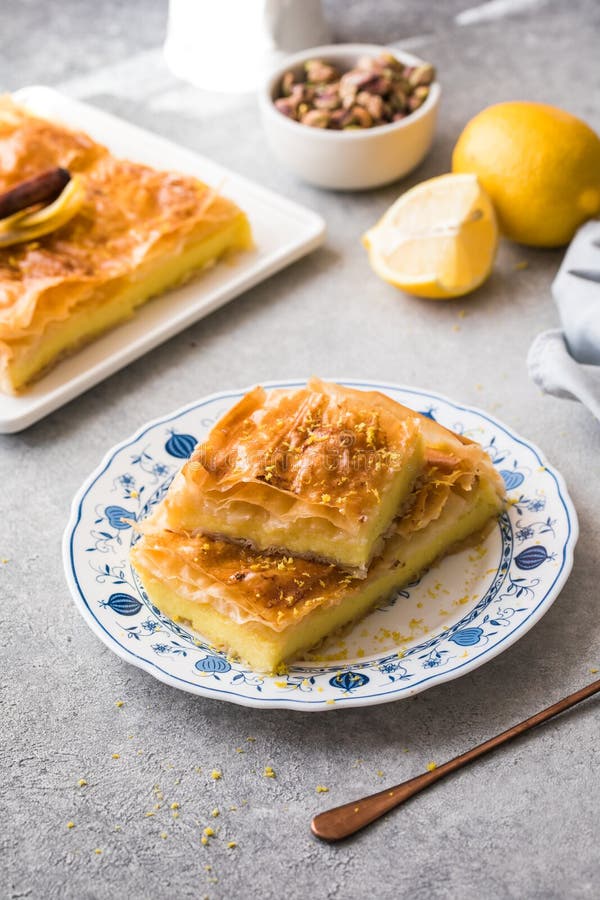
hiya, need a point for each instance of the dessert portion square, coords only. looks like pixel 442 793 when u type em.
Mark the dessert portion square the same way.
pixel 271 607
pixel 138 232
pixel 319 472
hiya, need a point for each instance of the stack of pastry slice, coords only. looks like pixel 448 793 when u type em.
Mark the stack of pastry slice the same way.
pixel 302 511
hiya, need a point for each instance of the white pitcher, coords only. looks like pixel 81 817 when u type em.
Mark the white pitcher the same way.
pixel 231 45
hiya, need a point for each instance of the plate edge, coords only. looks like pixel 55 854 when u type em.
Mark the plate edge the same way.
pixel 349 702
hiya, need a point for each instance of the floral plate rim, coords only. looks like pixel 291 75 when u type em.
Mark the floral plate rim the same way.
pixel 349 699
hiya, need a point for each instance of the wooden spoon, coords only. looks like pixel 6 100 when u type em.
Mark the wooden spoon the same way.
pixel 342 821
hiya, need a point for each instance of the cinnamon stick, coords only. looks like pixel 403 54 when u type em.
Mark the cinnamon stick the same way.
pixel 43 188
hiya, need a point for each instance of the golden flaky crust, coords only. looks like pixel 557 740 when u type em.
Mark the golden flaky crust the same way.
pixel 131 214
pixel 320 451
pixel 279 590
pixel 246 585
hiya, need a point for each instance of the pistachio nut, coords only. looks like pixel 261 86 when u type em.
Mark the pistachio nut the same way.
pixel 378 90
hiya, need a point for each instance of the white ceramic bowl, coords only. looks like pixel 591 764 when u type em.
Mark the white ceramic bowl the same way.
pixel 348 160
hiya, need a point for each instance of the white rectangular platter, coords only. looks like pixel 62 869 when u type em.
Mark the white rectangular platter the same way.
pixel 283 232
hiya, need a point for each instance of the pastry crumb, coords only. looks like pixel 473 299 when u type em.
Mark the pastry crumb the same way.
pixel 231 844
pixel 70 825
pixel 431 766
pixel 216 774
pixel 269 773
pixel 215 813
pixel 174 805
pixel 321 789
pixel 82 782
pixel 98 851
pixel 118 703
pixel 116 756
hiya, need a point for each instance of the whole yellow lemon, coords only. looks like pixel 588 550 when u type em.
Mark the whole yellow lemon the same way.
pixel 539 164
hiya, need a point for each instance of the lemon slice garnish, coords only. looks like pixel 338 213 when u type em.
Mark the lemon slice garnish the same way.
pixel 26 226
pixel 437 240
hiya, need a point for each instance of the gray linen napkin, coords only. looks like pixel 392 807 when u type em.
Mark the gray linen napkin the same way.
pixel 566 363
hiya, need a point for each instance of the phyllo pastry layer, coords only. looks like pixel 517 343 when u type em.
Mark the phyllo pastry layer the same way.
pixel 318 472
pixel 270 608
pixel 138 232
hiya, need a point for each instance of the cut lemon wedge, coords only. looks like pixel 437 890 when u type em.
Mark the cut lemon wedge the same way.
pixel 25 225
pixel 437 240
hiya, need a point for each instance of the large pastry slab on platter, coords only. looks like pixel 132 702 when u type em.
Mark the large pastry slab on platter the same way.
pixel 131 233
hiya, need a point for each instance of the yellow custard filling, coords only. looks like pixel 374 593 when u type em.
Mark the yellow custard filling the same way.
pixel 209 602
pixel 114 304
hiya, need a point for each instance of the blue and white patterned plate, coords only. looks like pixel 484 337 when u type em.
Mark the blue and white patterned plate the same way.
pixel 463 612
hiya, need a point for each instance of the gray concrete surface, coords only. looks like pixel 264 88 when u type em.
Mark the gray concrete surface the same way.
pixel 520 824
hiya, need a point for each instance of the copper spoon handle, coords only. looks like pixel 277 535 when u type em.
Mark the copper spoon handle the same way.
pixel 342 821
